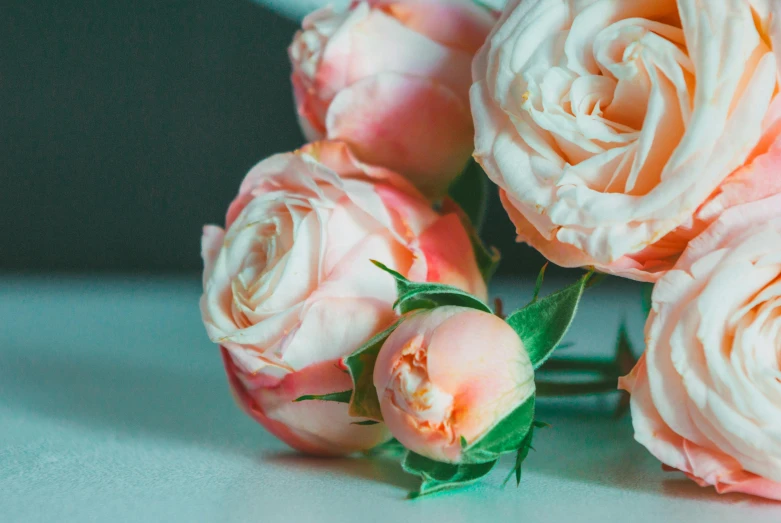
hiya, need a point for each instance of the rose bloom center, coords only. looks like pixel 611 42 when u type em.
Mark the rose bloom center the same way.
pixel 261 268
pixel 616 114
pixel 413 392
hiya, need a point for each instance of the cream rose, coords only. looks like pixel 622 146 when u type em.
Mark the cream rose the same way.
pixel 608 123
pixel 289 288
pixel 706 396
pixel 391 78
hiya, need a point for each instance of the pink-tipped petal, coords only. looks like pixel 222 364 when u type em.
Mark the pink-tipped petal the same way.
pixel 412 125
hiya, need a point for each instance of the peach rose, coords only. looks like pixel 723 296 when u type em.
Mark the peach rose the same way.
pixel 289 287
pixel 391 78
pixel 607 123
pixel 438 379
pixel 706 396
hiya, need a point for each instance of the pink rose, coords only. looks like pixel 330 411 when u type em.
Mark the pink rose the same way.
pixel 391 78
pixel 706 396
pixel 608 124
pixel 289 288
pixel 450 373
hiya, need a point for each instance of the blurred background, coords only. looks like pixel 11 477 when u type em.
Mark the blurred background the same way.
pixel 126 126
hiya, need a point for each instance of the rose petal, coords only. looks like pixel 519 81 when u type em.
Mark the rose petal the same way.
pixel 429 139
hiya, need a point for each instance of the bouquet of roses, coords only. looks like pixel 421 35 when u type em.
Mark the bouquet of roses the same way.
pixel 637 138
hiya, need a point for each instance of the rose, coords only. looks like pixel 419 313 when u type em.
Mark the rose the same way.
pixel 607 124
pixel 706 396
pixel 289 287
pixel 450 373
pixel 391 78
pixel 755 180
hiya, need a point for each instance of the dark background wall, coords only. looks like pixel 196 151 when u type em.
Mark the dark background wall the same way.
pixel 125 126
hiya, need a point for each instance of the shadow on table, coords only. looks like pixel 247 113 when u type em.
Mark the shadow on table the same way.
pixel 379 469
pixel 611 457
pixel 128 398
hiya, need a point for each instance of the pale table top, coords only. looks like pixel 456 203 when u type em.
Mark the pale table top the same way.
pixel 114 407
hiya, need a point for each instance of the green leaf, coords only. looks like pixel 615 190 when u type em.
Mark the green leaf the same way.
pixel 542 325
pixel 538 285
pixel 339 397
pixel 364 402
pixel 414 296
pixel 506 436
pixel 470 192
pixel 437 476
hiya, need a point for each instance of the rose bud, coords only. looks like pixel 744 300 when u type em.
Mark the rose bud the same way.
pixel 450 373
pixel 706 395
pixel 607 126
pixel 391 78
pixel 289 288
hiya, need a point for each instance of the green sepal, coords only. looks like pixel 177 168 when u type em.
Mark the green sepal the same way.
pixel 523 452
pixel 470 191
pixel 339 397
pixel 366 423
pixel 437 476
pixel 506 436
pixel 541 325
pixel 413 295
pixel 360 364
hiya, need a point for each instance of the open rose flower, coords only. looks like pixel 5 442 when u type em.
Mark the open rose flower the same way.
pixel 391 78
pixel 289 287
pixel 608 124
pixel 706 396
pixel 450 373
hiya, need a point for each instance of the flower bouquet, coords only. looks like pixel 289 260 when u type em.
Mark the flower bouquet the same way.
pixel 636 138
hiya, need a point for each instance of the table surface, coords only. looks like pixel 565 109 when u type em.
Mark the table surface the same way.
pixel 114 407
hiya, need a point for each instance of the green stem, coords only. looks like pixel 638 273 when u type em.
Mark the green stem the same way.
pixel 551 388
pixel 601 366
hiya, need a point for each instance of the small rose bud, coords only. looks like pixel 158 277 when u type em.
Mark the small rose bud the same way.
pixel 448 374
